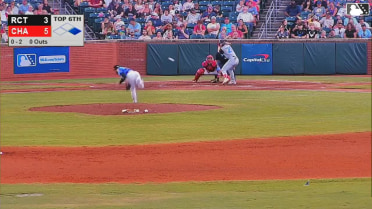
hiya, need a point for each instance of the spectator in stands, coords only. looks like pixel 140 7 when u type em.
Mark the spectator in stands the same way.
pixel 327 21
pixel 169 35
pixel 319 10
pixel 254 4
pixel 350 31
pixel 350 19
pixel 332 34
pixel 292 10
pixel 315 20
pixel 339 30
pixel 342 10
pixel 299 32
pixel 158 36
pixel 217 10
pixel 94 3
pixel 239 6
pixel 172 11
pixel 197 8
pixel 364 32
pixel 150 28
pixel 332 9
pixel 324 3
pixel 107 28
pixel 138 6
pixel 182 33
pixel 223 33
pixel 111 5
pixel 358 26
pixel 227 24
pixel 199 30
pixel 234 34
pixel 253 11
pixel 166 17
pixel 241 26
pixel 247 18
pixel 117 10
pixel 144 36
pixel 15 9
pixel 30 11
pixel 156 22
pixel 130 12
pixel 282 33
pixel 23 8
pixel 312 32
pixel 122 32
pixel 118 23
pixel 206 16
pixel 187 6
pixel 4 13
pixel 307 6
pixel 4 35
pixel 135 27
pixel 213 27
pixel 157 9
pixel 167 28
pixel 145 12
pixel 40 11
pixel 177 6
pixel 285 26
pixel 193 17
pixel 125 4
pixel 180 20
pixel 131 36
pixel 323 34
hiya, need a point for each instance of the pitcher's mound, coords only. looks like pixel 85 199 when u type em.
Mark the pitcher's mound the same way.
pixel 116 108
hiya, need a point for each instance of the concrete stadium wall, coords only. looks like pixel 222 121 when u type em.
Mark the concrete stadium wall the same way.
pixel 96 58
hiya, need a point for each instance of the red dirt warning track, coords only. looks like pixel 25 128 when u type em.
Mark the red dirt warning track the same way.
pixel 307 157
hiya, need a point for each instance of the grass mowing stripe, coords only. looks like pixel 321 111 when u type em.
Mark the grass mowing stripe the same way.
pixel 246 114
pixel 323 193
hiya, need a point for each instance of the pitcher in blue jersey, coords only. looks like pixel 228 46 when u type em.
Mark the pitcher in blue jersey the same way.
pixel 131 78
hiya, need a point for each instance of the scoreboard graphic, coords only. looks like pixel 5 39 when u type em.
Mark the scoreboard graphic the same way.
pixel 46 30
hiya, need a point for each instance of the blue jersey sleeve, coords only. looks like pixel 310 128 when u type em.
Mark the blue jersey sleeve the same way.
pixel 123 71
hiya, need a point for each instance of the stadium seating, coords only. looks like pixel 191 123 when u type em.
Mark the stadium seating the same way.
pixel 87 12
pixel 204 3
pixel 82 6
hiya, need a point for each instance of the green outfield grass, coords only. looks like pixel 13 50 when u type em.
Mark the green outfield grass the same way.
pixel 325 194
pixel 245 114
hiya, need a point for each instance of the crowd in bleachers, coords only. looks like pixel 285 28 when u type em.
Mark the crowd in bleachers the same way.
pixel 170 19
pixel 325 19
pixel 22 7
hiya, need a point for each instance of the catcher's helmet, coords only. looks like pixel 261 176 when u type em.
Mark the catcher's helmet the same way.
pixel 210 56
pixel 116 67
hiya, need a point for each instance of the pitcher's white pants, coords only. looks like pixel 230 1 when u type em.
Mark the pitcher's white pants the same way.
pixel 135 81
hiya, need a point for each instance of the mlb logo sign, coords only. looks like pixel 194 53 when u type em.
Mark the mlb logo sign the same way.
pixel 26 60
pixel 357 9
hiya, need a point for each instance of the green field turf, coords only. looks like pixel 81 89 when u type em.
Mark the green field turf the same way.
pixel 325 194
pixel 245 114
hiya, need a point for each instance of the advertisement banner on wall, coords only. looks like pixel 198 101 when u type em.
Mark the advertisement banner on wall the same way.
pixel 257 59
pixel 41 60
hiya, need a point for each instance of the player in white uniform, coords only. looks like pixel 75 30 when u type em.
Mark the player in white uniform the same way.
pixel 228 69
pixel 132 79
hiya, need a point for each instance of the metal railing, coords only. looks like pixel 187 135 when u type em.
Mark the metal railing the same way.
pixel 271 13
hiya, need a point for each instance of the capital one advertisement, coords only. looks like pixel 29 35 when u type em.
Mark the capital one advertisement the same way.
pixel 257 59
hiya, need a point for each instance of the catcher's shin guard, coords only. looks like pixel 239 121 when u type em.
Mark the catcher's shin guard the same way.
pixel 199 73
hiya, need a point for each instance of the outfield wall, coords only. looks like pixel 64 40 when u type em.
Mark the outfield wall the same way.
pixel 96 58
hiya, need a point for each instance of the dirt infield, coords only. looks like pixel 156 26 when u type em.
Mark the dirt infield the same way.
pixel 203 85
pixel 306 157
pixel 116 108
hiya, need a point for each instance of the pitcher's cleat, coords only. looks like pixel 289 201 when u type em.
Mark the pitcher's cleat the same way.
pixel 232 83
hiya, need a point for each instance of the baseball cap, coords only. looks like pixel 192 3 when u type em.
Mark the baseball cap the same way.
pixel 154 14
pixel 328 13
pixel 363 25
pixel 213 17
pixel 318 2
pixel 132 19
